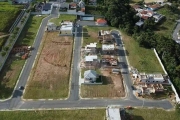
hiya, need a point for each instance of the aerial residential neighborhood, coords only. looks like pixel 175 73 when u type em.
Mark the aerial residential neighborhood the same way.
pixel 95 59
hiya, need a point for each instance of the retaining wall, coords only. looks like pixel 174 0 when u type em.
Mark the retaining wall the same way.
pixel 173 88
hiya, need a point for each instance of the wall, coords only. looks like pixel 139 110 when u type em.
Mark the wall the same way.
pixel 66 32
pixel 46 12
pixel 71 11
pixel 173 88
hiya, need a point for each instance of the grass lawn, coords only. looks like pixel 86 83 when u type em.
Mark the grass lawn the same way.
pixel 13 66
pixel 89 114
pixel 142 59
pixel 8 14
pixel 90 35
pixel 166 26
pixel 63 17
pixel 153 114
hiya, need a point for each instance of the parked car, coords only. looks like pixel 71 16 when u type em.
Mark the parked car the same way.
pixel 21 88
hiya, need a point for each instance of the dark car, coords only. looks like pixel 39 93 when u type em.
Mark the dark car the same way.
pixel 21 88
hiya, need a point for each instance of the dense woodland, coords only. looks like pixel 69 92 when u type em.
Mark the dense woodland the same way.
pixel 121 15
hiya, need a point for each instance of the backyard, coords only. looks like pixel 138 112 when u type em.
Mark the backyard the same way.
pixel 13 66
pixel 8 14
pixel 144 60
pixel 51 73
pixel 112 87
pixel 64 18
pixel 84 114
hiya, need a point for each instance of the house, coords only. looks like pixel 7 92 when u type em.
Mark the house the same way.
pixel 136 7
pixel 113 113
pixel 108 49
pixel 51 26
pixel 91 60
pixel 154 7
pixel 72 5
pixel 91 48
pixel 66 28
pixel 151 78
pixel 47 8
pixel 145 14
pixel 64 5
pixel 101 22
pixel 90 76
pixel 158 17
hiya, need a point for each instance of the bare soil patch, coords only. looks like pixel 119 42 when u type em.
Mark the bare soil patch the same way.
pixel 112 87
pixel 50 78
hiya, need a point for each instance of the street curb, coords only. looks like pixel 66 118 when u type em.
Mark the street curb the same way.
pixel 34 59
pixel 3 100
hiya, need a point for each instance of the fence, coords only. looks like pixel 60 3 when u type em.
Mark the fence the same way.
pixel 173 88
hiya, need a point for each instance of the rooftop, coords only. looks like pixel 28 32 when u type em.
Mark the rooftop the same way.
pixel 107 47
pixel 113 114
pixel 47 6
pixel 91 45
pixel 91 58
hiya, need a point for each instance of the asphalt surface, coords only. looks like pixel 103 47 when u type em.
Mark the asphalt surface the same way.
pixel 74 101
pixel 176 30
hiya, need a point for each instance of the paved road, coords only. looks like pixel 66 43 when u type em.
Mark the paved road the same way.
pixel 176 30
pixel 73 100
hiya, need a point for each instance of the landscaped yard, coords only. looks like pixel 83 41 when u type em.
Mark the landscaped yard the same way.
pixel 153 114
pixel 144 60
pixel 63 17
pixel 13 66
pixel 89 114
pixel 8 14
pixel 51 73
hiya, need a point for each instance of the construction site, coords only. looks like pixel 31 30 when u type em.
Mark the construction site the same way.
pixel 102 62
pixel 50 75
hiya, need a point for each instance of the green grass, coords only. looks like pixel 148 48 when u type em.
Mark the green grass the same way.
pixel 94 114
pixel 13 66
pixel 8 14
pixel 63 17
pixel 144 60
pixel 153 114
pixel 166 25
pixel 90 35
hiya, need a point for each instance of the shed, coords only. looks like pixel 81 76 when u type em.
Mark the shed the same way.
pixel 101 21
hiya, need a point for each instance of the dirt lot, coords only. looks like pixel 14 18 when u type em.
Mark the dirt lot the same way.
pixel 50 78
pixel 112 87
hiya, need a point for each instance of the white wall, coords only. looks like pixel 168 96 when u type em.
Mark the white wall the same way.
pixel 173 88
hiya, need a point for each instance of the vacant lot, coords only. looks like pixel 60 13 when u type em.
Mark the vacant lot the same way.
pixel 50 76
pixel 13 66
pixel 141 58
pixel 112 87
pixel 8 14
pixel 63 17
pixel 153 114
pixel 90 35
pixel 95 114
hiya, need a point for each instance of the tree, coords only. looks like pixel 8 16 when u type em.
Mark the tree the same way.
pixel 3 53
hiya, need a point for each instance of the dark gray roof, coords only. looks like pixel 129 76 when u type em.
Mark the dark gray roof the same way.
pixel 47 6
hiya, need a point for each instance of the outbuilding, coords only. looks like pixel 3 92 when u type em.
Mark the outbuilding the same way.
pixel 101 22
pixel 47 8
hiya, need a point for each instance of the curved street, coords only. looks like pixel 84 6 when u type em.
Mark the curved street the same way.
pixel 74 100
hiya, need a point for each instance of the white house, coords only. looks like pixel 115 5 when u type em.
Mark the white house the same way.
pixel 91 48
pixel 66 28
pixel 51 26
pixel 151 78
pixel 47 8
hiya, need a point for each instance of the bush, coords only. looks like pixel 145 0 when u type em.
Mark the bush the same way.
pixel 3 53
pixel 6 48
